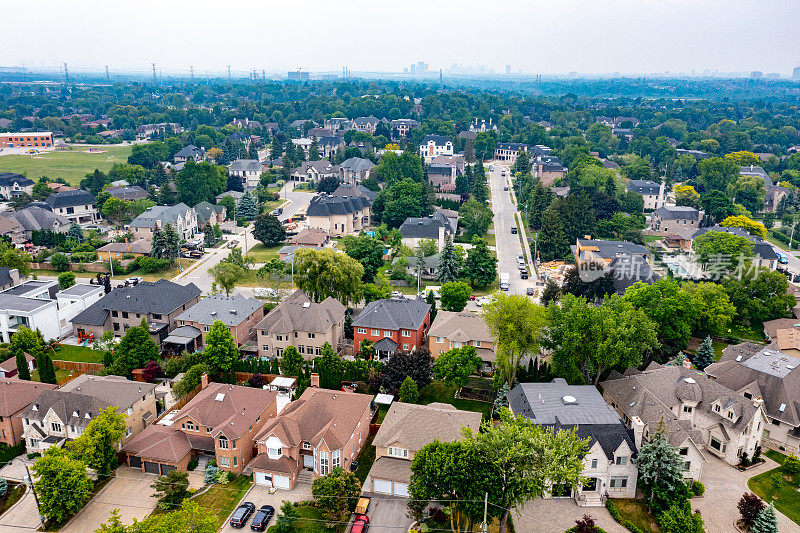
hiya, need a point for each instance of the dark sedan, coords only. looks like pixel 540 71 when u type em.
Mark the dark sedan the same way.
pixel 262 518
pixel 241 514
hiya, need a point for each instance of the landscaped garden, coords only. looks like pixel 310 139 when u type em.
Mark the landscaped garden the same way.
pixel 779 486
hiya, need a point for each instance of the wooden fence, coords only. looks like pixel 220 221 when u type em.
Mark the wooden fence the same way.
pixel 84 368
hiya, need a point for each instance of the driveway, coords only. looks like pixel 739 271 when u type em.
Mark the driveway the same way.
pixel 129 491
pixel 387 514
pixel 23 515
pixel 15 470
pixel 259 495
pixel 558 515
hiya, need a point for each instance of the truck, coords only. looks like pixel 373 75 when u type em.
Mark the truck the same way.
pixel 504 278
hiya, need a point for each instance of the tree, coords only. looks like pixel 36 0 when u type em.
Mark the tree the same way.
pixel 517 324
pixel 62 484
pixel 448 263
pixel 189 517
pixel 285 523
pixel 3 486
pixel 430 299
pixel 409 393
pixel 335 492
pixel 759 295
pixel 791 465
pixel 47 372
pixel 226 275
pixel 455 295
pixel 660 469
pixel 393 168
pixel 417 365
pixel 587 341
pixel 328 184
pixel 323 273
pixel 721 252
pixel 198 182
pixel 171 489
pixel 210 474
pixel 190 380
pixel 714 308
pixel 456 365
pixel 401 200
pixel 551 292
pixel 716 173
pixel 331 368
pixel 268 229
pixel 686 195
pixel 553 242
pixel 59 261
pixel 134 350
pixel 717 206
pixel 672 309
pixel 248 207
pixel 66 280
pixel 75 233
pixel 291 362
pixel 766 521
pixel 680 519
pixel 366 250
pixel 480 267
pixel 97 447
pixel 221 352
pixel 746 223
pixel 705 354
pixel 750 506
pixel 379 290
pixel 22 363
pixel 475 217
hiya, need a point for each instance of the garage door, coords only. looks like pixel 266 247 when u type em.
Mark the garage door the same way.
pixel 151 468
pixel 382 486
pixel 135 462
pixel 401 489
pixel 165 469
pixel 263 479
pixel 281 482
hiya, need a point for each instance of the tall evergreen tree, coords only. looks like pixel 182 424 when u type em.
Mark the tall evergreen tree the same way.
pixel 766 521
pixel 480 266
pixel 276 150
pixel 47 372
pixel 157 243
pixel 172 243
pixel 661 471
pixel 705 354
pixel 248 207
pixel 22 363
pixel 552 239
pixel 75 232
pixel 448 263
pixel 252 152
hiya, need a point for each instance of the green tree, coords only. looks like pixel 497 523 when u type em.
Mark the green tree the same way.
pixel 721 251
pixel 22 363
pixel 517 324
pixel 672 309
pixel 705 354
pixel 716 173
pixel 198 182
pixel 448 263
pixel 409 392
pixel 715 310
pixel 97 447
pixel 455 295
pixel 59 261
pixel 366 250
pixel 62 484
pixel 334 494
pixel 379 290
pixel 680 519
pixel 209 238
pixel 3 486
pixel 331 368
pixel 323 273
pixel 401 200
pixel 47 372
pixel 268 230
pixel 766 521
pixel 220 352
pixel 190 380
pixel 248 207
pixel 75 233
pixel 134 350
pixel 456 365
pixel 759 295
pixel 474 217
pixel 226 275
pixel 189 517
pixel 480 266
pixel 717 206
pixel 66 280
pixel 553 242
pixel 291 362
pixel 171 489
pixel 660 469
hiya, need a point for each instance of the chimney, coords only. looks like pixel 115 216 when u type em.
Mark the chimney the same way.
pixel 638 430
pixel 204 381
pixel 315 380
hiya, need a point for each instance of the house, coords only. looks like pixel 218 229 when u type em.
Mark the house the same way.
pixel 604 251
pixel 243 138
pixel 15 396
pixel 158 302
pixel 480 125
pixel 625 122
pixel 652 192
pixel 248 170
pixel 402 126
pixel 9 368
pixel 392 325
pixel 9 277
pixel 318 133
pixel 128 192
pixel 145 131
pixel 767 375
pixel 29 304
pixel 628 269
pixel 549 169
pixel 13 230
pixel 622 132
pixel 456 330
pixel 338 124
pixel 355 170
pixel 405 429
pixel 36 218
pixel 608 463
pixel 697 154
pixel 208 213
pixel 58 416
pixel 303 123
pixel 310 238
pixel 13 185
pixel 182 218
pixel 675 218
pixel 700 414
pixel 74 300
pixel 246 123
pixel 328 145
pixel 321 430
pixel 764 254
pixel 338 215
pixel 433 227
pixel 189 153
pixel 430 266
pixel 304 143
pixel 368 124
pixel 315 171
pixel 76 206
pixel 509 151
pixel 300 322
pixel 435 145
pixel 116 250
pixel 239 314
pixel 443 170
pixel 220 423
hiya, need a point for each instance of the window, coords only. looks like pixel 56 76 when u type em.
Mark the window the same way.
pixel 618 482
pixel 156 316
pixel 323 463
pixel 234 443
pixel 730 415
pixel 34 443
pixel 375 333
pixel 224 461
pixel 398 452
pixel 235 461
pixel 439 340
pixel 362 330
pixel 388 333
pixel 301 348
pixel 748 395
pixel 594 464
pixel 128 432
pixel 687 408
pixel 336 459
pixel 190 425
pixel 622 460
pixel 312 335
pixel 317 351
pixel 223 442
pixel 687 465
pixel 477 344
pixel 130 411
pixel 124 314
pixel 406 333
pixel 717 445
pixel 279 352
pixel 115 314
pixel 55 426
pixel 776 422
pixel 405 346
pixel 716 408
pixel 116 326
pixel 274 453
pixel 278 337
pixel 306 445
pixel 265 347
pixel 309 350
pixel 684 451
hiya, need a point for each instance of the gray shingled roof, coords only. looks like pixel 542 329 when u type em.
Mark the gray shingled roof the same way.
pixel 70 198
pixel 231 310
pixel 8 179
pixel 325 205
pixel 610 249
pixel 299 313
pixel 677 212
pixel 414 426
pixel 248 165
pixel 164 213
pixel 36 218
pixel 425 227
pixel 440 140
pixel 644 186
pixel 393 314
pixel 132 192
pixel 357 164
pixel 190 151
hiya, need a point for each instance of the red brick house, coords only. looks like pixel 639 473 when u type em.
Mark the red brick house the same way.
pixel 396 324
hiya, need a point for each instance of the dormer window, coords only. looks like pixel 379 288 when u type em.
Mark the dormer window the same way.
pixel 717 408
pixel 687 408
pixel 397 452
pixel 730 415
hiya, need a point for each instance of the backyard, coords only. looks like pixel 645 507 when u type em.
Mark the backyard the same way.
pixel 81 354
pixel 221 500
pixel 365 459
pixel 72 165
pixel 778 487
pixel 261 254
pixel 439 392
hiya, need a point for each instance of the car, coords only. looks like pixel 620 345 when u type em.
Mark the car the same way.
pixel 360 524
pixel 241 514
pixel 472 297
pixel 397 294
pixel 134 280
pixel 278 211
pixel 782 258
pixel 186 255
pixel 529 291
pixel 523 274
pixel 196 254
pixel 262 518
pixel 513 230
pixel 505 188
pixel 233 244
pixel 521 266
pixel 521 258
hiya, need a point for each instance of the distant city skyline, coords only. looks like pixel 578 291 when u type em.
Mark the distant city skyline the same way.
pixel 471 37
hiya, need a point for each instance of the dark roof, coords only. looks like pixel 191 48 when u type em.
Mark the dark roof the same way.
pixel 238 136
pixel 610 249
pixel 629 269
pixel 231 310
pixel 680 212
pixel 393 314
pixel 160 297
pixel 132 192
pixel 7 179
pixel 425 227
pixel 330 141
pixel 325 205
pixel 190 151
pixel 70 198
pixel 5 276
pixel 644 186
pixel 440 140
pixel 513 146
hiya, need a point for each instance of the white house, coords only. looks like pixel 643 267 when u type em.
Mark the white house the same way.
pixel 74 300
pixel 435 145
pixel 248 170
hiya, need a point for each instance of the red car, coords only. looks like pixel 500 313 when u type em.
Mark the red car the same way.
pixel 360 524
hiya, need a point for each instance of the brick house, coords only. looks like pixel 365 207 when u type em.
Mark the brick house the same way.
pixel 396 324
pixel 239 314
pixel 456 330
pixel 15 396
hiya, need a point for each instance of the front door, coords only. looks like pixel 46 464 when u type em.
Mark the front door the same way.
pixel 591 485
pixel 308 461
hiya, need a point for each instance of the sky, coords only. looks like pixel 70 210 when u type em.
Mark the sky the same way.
pixel 536 37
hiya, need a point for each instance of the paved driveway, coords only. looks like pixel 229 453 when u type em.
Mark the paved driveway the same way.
pixel 23 516
pixel 556 516
pixel 129 492
pixel 259 495
pixel 15 470
pixel 387 514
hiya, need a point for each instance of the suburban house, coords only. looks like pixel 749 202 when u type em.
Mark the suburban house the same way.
pixel 549 169
pixel 158 302
pixel 392 325
pixel 402 126
pixel 300 322
pixel 700 414
pixel 145 131
pixel 603 251
pixel 310 238
pixel 13 185
pixel 435 145
pixel 246 123
pixel 675 219
pixel 36 218
pixel 328 145
pixel 15 396
pixel 220 423
pixel 355 170
pixel 509 151
pixel 432 227
pixel 608 464
pixel 338 124
pixel 74 300
pixel 406 428
pixel 208 213
pixel 456 330
pixel 127 192
pixel 182 218
pixel 322 430
pixel 57 416
pixel 368 124
pixel 319 133
pixel 430 266
pixel 9 227
pixel 764 253
pixel 189 153
pixel 29 304
pixel 248 170
pixel 116 250
pixel 238 313
pixel 338 215
pixel 482 125
pixel 315 170
pixel 767 376
pixel 443 170
pixel 76 206
pixel 652 192
pixel 9 368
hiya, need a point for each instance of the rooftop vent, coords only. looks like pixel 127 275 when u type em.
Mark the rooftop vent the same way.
pixel 569 400
pixel 306 305
pixel 782 408
pixel 738 357
pixel 213 313
pixel 220 396
pixel 233 311
pixel 690 380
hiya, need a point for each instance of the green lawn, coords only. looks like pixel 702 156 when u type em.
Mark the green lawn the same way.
pixel 72 165
pixel 221 500
pixel 261 254
pixel 439 392
pixel 786 498
pixel 635 512
pixel 754 333
pixel 310 521
pixel 60 374
pixel 365 459
pixel 77 353
pixel 15 492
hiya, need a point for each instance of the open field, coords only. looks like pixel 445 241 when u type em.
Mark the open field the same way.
pixel 72 165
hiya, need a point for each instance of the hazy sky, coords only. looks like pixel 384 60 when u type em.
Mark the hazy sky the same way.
pixel 547 36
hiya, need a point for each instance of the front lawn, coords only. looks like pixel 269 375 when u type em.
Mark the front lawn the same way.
pixel 261 254
pixel 439 392
pixel 635 512
pixel 221 500
pixel 311 521
pixel 786 498
pixel 80 354
pixel 15 492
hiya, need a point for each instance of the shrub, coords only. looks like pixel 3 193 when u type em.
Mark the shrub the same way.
pixel 749 507
pixel 211 474
pixel 633 528
pixel 437 515
pixel 223 477
pixel 33 455
pixel 612 510
pixel 192 464
pixel 791 465
pixel 151 265
pixel 60 262
pixel 697 488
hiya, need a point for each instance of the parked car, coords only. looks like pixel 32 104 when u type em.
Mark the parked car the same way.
pixel 134 280
pixel 278 211
pixel 521 266
pixel 513 230
pixel 262 518
pixel 529 291
pixel 196 254
pixel 520 258
pixel 233 244
pixel 241 514
pixel 523 274
pixel 397 294
pixel 360 524
pixel 483 300
pixel 505 188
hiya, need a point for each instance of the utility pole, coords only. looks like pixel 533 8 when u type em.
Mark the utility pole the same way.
pixel 66 74
pixel 229 74
pixel 29 480
pixel 484 524
pixel 107 76
pixel 154 73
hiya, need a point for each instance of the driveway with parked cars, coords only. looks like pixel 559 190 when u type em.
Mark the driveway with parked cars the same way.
pixel 387 514
pixel 259 495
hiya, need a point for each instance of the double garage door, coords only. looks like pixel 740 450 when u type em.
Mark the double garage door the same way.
pixel 279 482
pixel 385 486
pixel 151 468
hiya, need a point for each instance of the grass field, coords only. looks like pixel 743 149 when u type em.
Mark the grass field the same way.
pixel 785 497
pixel 72 165
pixel 221 500
pixel 79 354
pixel 60 374
pixel 310 520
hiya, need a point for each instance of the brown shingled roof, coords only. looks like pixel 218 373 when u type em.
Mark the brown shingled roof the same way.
pixel 16 394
